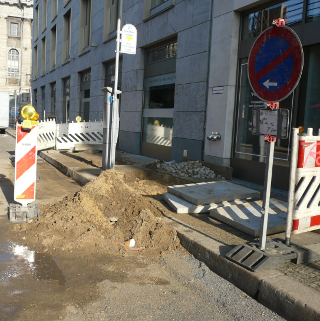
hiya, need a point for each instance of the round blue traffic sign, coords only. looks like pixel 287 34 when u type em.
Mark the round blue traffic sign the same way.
pixel 275 63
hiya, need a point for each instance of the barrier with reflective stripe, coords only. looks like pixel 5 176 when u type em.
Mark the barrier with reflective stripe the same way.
pixel 78 133
pixel 46 134
pixel 304 190
pixel 25 165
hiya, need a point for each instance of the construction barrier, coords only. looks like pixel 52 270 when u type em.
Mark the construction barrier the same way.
pixel 25 165
pixel 46 134
pixel 67 135
pixel 304 190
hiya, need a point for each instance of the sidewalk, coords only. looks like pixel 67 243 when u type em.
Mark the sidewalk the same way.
pixel 293 291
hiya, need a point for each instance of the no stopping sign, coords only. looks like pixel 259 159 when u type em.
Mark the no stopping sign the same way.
pixel 275 63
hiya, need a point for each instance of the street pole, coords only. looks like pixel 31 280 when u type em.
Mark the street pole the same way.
pixel 266 196
pixel 111 109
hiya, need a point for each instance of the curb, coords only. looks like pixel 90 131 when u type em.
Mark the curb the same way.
pixel 290 299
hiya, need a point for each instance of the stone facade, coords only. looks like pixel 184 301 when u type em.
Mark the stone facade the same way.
pixel 207 33
pixel 16 34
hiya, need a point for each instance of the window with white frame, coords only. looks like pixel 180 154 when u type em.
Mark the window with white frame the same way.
pixel 14 29
pixel 13 63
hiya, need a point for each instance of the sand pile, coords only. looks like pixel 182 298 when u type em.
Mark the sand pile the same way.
pixel 100 217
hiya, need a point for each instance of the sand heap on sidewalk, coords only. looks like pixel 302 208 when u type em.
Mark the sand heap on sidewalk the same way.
pixel 101 216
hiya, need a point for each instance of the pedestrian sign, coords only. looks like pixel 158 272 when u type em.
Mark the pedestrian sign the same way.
pixel 275 63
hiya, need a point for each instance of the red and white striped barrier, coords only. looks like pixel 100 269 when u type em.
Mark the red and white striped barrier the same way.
pixel 25 165
pixel 304 190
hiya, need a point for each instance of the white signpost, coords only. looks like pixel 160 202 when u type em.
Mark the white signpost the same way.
pixel 128 39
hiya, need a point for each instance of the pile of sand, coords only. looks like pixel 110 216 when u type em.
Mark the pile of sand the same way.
pixel 100 217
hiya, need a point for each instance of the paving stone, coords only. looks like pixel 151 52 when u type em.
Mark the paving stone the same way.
pixel 181 206
pixel 212 192
pixel 246 217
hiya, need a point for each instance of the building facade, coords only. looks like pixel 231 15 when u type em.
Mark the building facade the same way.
pixel 16 49
pixel 187 79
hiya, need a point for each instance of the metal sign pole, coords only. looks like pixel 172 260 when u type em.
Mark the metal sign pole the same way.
pixel 266 196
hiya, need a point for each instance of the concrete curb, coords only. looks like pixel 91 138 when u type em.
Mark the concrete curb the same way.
pixel 292 300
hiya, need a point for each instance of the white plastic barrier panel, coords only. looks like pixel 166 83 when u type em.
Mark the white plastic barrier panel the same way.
pixel 25 165
pixel 46 134
pixel 304 202
pixel 79 133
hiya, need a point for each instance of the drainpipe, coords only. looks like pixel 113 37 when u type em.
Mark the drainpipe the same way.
pixel 208 75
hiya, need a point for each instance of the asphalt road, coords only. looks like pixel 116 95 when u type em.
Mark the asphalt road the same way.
pixel 176 287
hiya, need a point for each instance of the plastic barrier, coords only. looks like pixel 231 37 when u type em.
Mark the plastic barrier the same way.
pixel 304 190
pixel 46 134
pixel 78 133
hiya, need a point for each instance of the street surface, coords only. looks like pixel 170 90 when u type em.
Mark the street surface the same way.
pixel 123 286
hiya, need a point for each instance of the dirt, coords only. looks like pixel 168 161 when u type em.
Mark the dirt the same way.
pixel 105 213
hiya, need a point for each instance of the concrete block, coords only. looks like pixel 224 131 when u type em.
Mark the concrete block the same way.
pixel 222 7
pixel 194 40
pixel 212 192
pixel 246 216
pixel 178 17
pixel 190 97
pixel 130 121
pixel 129 142
pixel 192 68
pixel 201 13
pixel 290 299
pixel 187 125
pixel 131 101
pixel 183 207
pixel 132 80
pixel 194 148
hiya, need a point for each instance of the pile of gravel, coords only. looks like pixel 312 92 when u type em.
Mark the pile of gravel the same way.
pixel 193 169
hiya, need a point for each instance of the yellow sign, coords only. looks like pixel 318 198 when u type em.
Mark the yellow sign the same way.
pixel 20 196
pixel 78 119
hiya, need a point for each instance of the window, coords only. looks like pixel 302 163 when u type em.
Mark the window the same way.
pixel 159 91
pixel 13 63
pixel 110 74
pixel 44 14
pixel 156 3
pixel 14 27
pixel 313 10
pixel 110 17
pixel 53 98
pixel 43 57
pixel 247 145
pixel 309 92
pixel 54 9
pixel 53 48
pixel 85 95
pixel 154 7
pixel 85 26
pixel 35 98
pixel 35 62
pixel 66 37
pixel 43 97
pixel 66 100
pixel 36 23
pixel 255 23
